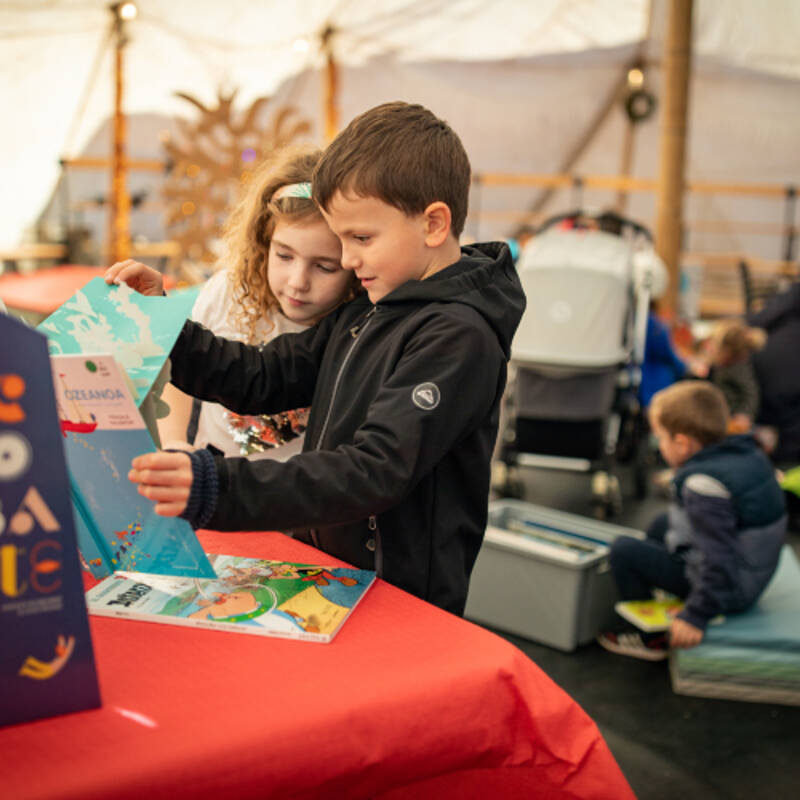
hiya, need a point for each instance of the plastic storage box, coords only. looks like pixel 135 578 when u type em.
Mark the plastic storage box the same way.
pixel 544 574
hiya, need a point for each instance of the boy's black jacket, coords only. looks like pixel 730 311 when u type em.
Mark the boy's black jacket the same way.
pixel 404 400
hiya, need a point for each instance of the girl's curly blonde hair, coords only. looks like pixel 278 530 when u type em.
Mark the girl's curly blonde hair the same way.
pixel 248 231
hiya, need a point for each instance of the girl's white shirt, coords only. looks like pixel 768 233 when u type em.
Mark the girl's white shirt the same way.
pixel 215 308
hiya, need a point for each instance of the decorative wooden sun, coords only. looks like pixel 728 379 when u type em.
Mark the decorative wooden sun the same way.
pixel 210 158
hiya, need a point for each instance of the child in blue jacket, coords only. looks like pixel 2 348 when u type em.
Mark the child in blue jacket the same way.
pixel 725 528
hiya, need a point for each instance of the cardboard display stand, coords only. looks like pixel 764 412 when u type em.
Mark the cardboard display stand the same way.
pixel 46 660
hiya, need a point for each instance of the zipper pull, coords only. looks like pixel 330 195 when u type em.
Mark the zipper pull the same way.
pixel 354 331
pixel 372 523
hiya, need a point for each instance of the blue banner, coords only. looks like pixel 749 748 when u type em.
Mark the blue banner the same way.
pixel 46 659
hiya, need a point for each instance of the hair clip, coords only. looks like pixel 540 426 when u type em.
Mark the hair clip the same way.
pixel 293 190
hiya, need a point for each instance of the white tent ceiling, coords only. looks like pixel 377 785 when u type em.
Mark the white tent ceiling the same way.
pixel 514 77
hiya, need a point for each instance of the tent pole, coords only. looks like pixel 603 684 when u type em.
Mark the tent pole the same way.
pixel 119 237
pixel 331 110
pixel 672 159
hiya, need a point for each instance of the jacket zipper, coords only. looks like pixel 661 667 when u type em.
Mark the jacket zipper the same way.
pixel 372 524
pixel 354 332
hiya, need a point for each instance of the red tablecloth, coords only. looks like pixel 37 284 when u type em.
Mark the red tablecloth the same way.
pixel 44 290
pixel 407 701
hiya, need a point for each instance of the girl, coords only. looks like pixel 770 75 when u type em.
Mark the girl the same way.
pixel 282 274
pixel 730 350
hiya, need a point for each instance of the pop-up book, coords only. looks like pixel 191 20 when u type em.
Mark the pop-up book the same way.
pixel 118 528
pixel 109 347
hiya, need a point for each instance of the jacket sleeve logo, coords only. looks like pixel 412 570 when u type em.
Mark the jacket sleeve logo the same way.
pixel 426 396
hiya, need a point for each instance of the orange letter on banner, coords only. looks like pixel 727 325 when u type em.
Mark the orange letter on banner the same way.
pixel 12 387
pixel 43 566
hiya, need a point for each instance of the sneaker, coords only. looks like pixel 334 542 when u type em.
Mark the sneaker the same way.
pixel 632 644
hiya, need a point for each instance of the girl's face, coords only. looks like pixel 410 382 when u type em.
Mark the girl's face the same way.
pixel 304 270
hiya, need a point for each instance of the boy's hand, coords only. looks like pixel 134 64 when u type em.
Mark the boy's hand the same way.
pixel 684 634
pixel 698 367
pixel 139 277
pixel 165 478
pixel 739 423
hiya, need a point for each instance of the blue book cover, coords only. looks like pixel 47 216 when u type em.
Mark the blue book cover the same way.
pixel 103 431
pixel 46 660
pixel 137 330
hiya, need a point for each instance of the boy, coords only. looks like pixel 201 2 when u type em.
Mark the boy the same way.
pixel 725 527
pixel 404 382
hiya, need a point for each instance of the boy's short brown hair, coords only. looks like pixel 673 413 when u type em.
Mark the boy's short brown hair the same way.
pixel 402 154
pixel 693 408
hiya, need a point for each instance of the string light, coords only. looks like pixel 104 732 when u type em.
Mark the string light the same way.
pixel 635 78
pixel 127 11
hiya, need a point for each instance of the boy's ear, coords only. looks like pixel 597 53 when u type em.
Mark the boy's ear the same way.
pixel 438 220
pixel 681 440
pixel 688 445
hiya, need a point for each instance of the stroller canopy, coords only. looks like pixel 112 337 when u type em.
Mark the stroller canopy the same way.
pixel 580 300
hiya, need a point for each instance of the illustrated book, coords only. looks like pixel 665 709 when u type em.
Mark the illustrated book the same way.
pixel 102 429
pixel 47 664
pixel 249 595
pixel 649 615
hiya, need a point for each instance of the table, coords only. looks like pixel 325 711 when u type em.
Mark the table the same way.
pixel 408 701
pixel 42 291
pixel 38 294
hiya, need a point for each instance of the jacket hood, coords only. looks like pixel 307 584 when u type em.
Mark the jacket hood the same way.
pixel 739 444
pixel 484 278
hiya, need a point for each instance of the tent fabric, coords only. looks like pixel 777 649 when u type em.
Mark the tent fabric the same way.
pixel 520 82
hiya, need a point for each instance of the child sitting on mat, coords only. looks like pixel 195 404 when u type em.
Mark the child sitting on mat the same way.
pixel 726 523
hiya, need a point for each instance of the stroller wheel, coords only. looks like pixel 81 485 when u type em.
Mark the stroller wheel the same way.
pixel 606 494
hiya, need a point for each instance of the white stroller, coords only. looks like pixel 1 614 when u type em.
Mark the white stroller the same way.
pixel 572 399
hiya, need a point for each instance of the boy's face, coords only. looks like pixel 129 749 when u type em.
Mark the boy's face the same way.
pixel 382 245
pixel 676 448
